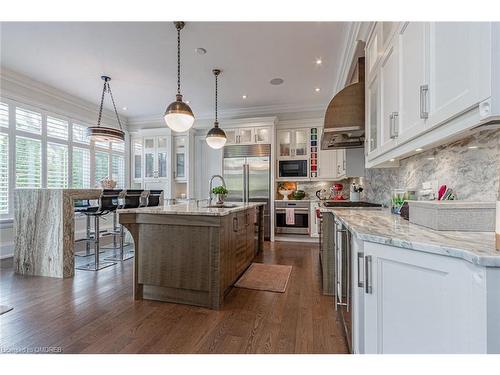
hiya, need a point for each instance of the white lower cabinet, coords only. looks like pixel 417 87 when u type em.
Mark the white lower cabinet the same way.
pixel 416 302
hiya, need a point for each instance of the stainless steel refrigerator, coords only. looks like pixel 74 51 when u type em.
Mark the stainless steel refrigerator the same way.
pixel 247 172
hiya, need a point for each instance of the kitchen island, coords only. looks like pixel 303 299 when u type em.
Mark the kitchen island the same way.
pixel 192 255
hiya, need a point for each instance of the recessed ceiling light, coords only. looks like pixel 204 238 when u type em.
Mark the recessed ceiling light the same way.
pixel 244 96
pixel 472 147
pixel 392 159
pixel 124 108
pixel 317 89
pixel 419 149
pixel 318 62
pixel 187 101
pixel 276 81
pixel 431 158
pixel 200 51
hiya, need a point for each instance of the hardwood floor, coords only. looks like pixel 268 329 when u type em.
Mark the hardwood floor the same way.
pixel 94 313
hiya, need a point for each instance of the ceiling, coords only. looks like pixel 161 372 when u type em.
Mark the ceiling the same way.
pixel 141 59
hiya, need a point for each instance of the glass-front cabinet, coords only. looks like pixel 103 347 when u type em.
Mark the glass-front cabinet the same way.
pixel 373 116
pixel 293 143
pixel 248 136
pixel 180 158
pixel 150 158
pixel 262 135
pixel 137 160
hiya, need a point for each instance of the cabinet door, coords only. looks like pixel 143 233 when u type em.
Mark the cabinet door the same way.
pixel 413 62
pixel 162 157
pixel 422 303
pixel 180 158
pixel 459 56
pixel 137 161
pixel 231 136
pixel 262 135
pixel 327 167
pixel 245 136
pixel 285 143
pixel 149 158
pixel 373 117
pixel 300 140
pixel 389 92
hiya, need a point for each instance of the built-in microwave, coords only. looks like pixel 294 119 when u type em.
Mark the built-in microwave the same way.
pixel 292 168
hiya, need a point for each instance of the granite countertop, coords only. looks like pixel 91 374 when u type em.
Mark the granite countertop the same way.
pixel 191 209
pixel 380 226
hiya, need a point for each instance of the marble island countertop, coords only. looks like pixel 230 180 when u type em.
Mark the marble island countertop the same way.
pixel 380 226
pixel 192 209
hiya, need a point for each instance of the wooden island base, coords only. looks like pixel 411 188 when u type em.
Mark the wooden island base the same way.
pixel 192 259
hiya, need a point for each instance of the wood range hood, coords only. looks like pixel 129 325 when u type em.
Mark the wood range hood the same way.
pixel 344 125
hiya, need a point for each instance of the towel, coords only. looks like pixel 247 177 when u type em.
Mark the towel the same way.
pixel 290 216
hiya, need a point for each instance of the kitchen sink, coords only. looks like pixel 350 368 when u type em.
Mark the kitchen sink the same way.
pixel 226 205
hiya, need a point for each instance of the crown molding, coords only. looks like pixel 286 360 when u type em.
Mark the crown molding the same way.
pixel 27 83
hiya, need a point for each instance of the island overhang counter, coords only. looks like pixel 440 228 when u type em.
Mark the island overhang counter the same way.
pixel 192 255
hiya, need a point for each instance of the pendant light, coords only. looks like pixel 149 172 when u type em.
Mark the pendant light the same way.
pixel 178 115
pixel 103 133
pixel 216 138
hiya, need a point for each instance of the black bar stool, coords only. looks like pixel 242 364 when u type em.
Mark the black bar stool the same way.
pixel 131 199
pixel 155 197
pixel 108 202
pixel 81 206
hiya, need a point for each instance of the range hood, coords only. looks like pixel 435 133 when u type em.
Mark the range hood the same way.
pixel 345 116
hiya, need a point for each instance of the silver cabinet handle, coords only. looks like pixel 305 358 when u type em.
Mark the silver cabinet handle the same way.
pixel 344 164
pixel 391 125
pixel 235 224
pixel 360 259
pixel 348 270
pixel 368 274
pixel 424 113
pixel 393 128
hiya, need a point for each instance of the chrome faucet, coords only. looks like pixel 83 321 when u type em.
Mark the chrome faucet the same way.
pixel 210 186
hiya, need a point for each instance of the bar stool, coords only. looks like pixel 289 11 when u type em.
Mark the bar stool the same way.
pixel 81 206
pixel 108 202
pixel 131 199
pixel 154 198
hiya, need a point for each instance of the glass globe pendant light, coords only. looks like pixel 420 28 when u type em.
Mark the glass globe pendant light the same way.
pixel 103 133
pixel 178 115
pixel 216 138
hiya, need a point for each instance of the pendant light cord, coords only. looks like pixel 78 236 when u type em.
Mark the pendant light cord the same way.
pixel 108 88
pixel 178 60
pixel 216 91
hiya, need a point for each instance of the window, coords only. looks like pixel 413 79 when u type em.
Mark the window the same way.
pixel 118 170
pixel 4 173
pixel 57 128
pixel 79 134
pixel 81 168
pixel 57 165
pixel 28 121
pixel 28 162
pixel 46 150
pixel 4 115
pixel 101 166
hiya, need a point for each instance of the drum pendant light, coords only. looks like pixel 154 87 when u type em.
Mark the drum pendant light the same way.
pixel 103 133
pixel 178 115
pixel 216 138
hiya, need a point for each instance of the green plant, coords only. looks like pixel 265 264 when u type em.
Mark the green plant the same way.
pixel 219 190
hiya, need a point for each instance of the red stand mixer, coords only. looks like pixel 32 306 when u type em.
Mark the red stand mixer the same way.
pixel 337 192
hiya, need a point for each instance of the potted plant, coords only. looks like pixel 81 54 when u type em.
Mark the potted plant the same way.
pixel 220 192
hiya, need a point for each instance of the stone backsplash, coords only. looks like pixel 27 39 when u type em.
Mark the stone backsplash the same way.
pixel 471 167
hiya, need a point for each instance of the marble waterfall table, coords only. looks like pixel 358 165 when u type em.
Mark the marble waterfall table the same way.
pixel 44 228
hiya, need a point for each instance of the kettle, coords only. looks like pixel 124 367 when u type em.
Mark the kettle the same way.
pixel 322 194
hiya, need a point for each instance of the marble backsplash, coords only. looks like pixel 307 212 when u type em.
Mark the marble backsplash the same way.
pixel 310 187
pixel 471 167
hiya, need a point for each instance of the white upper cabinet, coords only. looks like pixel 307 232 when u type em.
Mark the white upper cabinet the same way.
pixel 422 76
pixel 293 143
pixel 246 136
pixel 459 69
pixel 413 86
pixel 389 101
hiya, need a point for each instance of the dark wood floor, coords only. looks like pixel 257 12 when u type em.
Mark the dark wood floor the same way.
pixel 94 313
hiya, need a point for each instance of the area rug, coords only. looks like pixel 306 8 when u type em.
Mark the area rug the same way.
pixel 4 309
pixel 269 277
